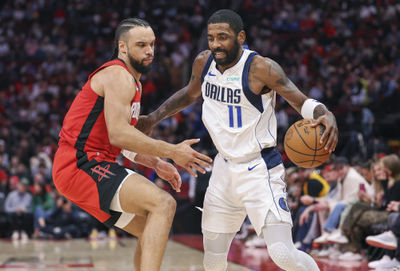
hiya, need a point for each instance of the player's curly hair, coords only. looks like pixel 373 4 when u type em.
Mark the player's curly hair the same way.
pixel 123 27
pixel 227 16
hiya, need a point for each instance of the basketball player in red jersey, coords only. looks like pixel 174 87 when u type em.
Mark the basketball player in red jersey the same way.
pixel 98 126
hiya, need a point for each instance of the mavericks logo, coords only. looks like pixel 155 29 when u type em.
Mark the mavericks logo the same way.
pixel 283 204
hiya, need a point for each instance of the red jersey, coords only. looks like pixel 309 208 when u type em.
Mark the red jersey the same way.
pixel 84 126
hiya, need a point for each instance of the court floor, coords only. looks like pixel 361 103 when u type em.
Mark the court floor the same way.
pixel 82 255
pixel 184 253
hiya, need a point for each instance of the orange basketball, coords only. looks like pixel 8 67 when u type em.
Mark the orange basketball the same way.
pixel 302 144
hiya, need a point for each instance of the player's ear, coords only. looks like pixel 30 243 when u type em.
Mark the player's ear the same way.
pixel 122 47
pixel 241 37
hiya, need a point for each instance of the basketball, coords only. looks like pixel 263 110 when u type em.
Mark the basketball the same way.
pixel 302 144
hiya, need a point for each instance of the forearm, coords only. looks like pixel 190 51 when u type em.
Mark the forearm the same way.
pixel 131 139
pixel 147 160
pixel 173 105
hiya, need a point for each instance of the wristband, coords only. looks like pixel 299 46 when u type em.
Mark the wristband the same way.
pixel 307 110
pixel 129 154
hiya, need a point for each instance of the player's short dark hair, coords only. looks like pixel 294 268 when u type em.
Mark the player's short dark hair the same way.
pixel 227 16
pixel 123 27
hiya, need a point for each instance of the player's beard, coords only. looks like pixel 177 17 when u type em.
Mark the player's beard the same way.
pixel 139 66
pixel 231 54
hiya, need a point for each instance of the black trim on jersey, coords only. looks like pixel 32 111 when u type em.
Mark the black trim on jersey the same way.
pixel 206 67
pixel 85 131
pixel 271 157
pixel 113 218
pixel 253 98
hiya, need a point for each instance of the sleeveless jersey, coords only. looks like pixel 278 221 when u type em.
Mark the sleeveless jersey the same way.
pixel 240 122
pixel 84 126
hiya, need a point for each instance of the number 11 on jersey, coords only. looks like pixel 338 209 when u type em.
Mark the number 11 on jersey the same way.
pixel 238 114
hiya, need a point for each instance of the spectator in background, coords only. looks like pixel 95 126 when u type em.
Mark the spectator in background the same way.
pixel 345 192
pixel 388 240
pixel 359 221
pixel 313 186
pixel 62 223
pixel 18 206
pixel 4 160
pixel 43 206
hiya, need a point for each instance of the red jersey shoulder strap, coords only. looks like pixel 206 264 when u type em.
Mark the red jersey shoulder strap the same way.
pixel 116 61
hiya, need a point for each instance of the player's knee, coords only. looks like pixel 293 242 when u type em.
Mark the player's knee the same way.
pixel 283 256
pixel 215 261
pixel 166 204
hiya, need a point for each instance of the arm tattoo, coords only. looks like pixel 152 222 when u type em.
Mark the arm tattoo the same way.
pixel 283 80
pixel 174 104
pixel 319 111
pixel 286 84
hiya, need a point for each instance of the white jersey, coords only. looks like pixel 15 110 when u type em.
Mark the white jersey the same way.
pixel 240 122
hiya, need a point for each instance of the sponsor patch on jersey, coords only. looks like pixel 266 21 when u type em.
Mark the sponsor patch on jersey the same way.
pixel 283 204
pixel 232 79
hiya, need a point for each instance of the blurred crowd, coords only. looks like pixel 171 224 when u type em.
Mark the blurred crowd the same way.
pixel 344 53
pixel 344 211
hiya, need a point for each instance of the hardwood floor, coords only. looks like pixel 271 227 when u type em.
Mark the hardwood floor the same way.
pixel 184 253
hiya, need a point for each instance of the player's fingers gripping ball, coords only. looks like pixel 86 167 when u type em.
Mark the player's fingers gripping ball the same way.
pixel 302 144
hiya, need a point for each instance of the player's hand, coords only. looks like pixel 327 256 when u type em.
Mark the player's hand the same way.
pixel 306 199
pixel 145 124
pixel 190 159
pixel 169 173
pixel 393 206
pixel 328 120
pixel 304 217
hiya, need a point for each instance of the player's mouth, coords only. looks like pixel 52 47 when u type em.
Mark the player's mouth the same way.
pixel 148 60
pixel 219 54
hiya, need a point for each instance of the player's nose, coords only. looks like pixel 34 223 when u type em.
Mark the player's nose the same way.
pixel 149 50
pixel 214 45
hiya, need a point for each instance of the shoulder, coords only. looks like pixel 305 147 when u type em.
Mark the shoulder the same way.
pixel 201 59
pixel 113 72
pixel 397 184
pixel 114 76
pixel 203 56
pixel 261 65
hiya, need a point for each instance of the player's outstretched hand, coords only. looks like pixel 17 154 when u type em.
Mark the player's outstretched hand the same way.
pixel 190 159
pixel 331 130
pixel 169 173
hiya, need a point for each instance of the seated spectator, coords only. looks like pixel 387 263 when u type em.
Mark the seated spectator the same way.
pixel 345 192
pixel 62 223
pixel 43 206
pixel 388 240
pixel 312 186
pixel 332 232
pixel 18 206
pixel 360 219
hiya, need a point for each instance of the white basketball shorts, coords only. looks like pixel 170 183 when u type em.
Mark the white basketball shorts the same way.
pixel 239 188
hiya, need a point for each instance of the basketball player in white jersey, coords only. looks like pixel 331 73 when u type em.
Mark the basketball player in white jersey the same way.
pixel 239 90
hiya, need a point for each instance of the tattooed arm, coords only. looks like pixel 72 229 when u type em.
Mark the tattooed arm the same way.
pixel 267 74
pixel 180 100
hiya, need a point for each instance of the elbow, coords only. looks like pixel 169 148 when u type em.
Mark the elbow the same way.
pixel 115 139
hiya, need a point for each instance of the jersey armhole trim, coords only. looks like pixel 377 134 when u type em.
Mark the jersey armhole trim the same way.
pixel 206 67
pixel 254 99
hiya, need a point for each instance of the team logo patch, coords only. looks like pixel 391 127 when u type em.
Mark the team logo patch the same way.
pixel 283 204
pixel 102 172
pixel 231 79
